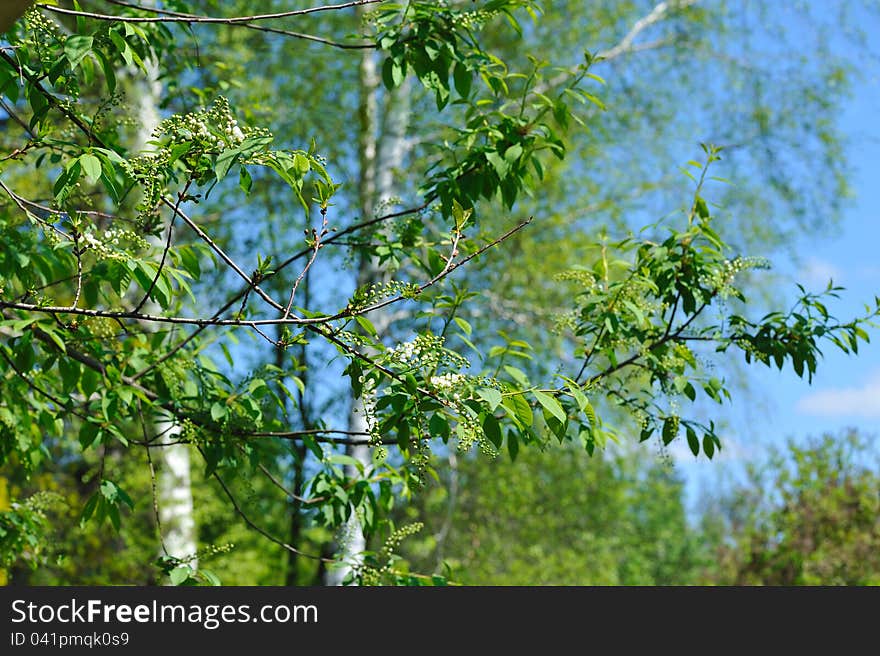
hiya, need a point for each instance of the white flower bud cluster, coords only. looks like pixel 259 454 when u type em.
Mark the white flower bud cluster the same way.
pixel 234 132
pixel 42 32
pixel 565 322
pixel 406 352
pixel 426 351
pixel 723 278
pixel 449 382
pixel 584 278
pixel 368 408
pixel 215 128
pixel 470 432
pixel 470 20
pixel 101 327
pixel 108 246
pixel 372 293
pixel 146 169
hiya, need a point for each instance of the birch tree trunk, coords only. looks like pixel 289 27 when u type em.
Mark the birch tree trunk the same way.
pixel 175 500
pixel 382 149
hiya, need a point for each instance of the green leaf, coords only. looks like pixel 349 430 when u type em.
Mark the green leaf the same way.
pixel 708 446
pixel 403 434
pixel 224 162
pixel 210 577
pixel 121 45
pixel 91 166
pixel 143 273
pixel 179 574
pixel 464 325
pixel 491 396
pixel 218 411
pixel 551 405
pixel 89 381
pixel 460 214
pixel 55 337
pixel 366 325
pixel 398 72
pixel 498 163
pixel 109 72
pixel 70 371
pixel 519 409
pixel 178 151
pixel 89 435
pixel 301 165
pixel 462 79
pixel 512 445
pixel 346 461
pixel 89 509
pixel 639 315
pixel 393 73
pixel 513 153
pixel 579 397
pixel 492 430
pixel 517 375
pixel 670 429
pixel 439 426
pixel 76 47
pixel 693 440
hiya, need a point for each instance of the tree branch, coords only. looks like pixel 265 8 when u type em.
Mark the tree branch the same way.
pixel 165 16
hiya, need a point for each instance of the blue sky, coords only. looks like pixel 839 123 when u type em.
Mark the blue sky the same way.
pixel 846 390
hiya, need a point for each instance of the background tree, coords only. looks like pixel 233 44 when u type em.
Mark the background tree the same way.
pixel 807 515
pixel 556 518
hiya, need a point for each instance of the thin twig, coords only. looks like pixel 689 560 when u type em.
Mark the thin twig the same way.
pixel 221 253
pixel 259 529
pixel 77 253
pixel 449 268
pixel 667 337
pixel 317 237
pixel 180 197
pixel 338 441
pixel 253 26
pixel 177 17
pixel 309 431
pixel 284 489
pixel 21 202
pixel 255 323
pixel 39 390
pixel 153 484
pixel 15 117
pixel 242 294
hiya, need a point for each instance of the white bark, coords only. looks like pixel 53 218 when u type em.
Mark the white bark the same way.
pixel 175 497
pixel 175 501
pixel 381 158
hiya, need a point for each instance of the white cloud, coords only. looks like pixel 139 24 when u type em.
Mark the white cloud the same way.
pixel 862 401
pixel 816 273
